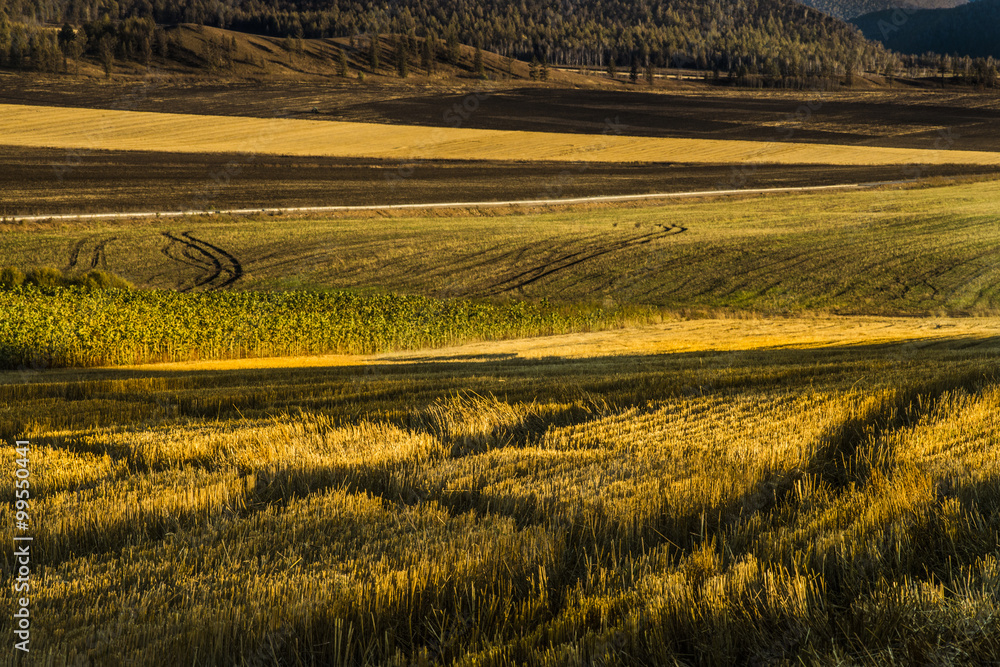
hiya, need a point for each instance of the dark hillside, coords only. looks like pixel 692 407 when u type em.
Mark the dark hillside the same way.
pixel 970 30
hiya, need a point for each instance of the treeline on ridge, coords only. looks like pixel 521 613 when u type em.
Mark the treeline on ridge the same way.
pixel 748 42
pixel 778 39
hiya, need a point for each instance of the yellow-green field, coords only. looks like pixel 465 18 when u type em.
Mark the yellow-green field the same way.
pixel 819 491
pixel 907 251
pixel 97 129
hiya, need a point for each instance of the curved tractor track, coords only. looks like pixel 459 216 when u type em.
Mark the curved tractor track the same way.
pixel 524 278
pixel 218 268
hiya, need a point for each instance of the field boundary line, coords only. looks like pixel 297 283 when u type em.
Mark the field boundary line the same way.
pixel 476 204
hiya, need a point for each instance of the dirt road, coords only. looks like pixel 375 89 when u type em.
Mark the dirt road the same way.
pixel 474 204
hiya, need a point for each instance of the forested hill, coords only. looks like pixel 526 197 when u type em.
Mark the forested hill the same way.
pixel 969 30
pixel 760 36
pixel 849 9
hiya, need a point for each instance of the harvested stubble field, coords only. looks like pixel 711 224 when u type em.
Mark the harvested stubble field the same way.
pixel 791 491
pixel 97 129
pixel 895 251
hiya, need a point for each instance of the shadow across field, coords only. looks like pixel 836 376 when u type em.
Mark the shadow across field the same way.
pixel 553 372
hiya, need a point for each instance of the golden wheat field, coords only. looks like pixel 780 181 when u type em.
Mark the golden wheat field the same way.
pixel 98 129
pixel 741 491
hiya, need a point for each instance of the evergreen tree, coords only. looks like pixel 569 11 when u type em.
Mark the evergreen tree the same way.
pixel 77 48
pixel 427 55
pixel 162 43
pixel 66 37
pixel 5 39
pixel 374 46
pixel 452 48
pixel 342 66
pixel 106 53
pixel 477 64
pixel 402 58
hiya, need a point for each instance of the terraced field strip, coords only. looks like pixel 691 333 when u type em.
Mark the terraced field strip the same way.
pixel 98 129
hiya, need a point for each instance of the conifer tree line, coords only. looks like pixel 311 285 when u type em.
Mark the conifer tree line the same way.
pixel 28 45
pixel 750 42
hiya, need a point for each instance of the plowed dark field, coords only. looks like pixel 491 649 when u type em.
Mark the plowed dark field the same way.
pixel 42 181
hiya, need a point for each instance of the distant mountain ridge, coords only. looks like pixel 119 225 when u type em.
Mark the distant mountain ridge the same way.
pixel 969 30
pixel 850 9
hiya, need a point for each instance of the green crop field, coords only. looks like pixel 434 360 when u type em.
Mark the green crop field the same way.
pixel 899 251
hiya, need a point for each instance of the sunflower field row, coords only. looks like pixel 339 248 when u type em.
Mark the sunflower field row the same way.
pixel 57 327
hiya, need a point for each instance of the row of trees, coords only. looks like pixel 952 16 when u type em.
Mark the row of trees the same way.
pixel 26 46
pixel 981 72
pixel 407 51
pixel 29 46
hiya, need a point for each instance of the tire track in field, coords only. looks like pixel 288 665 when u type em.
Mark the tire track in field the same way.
pixel 179 250
pixel 212 261
pixel 234 268
pixel 534 274
pixel 98 256
pixel 74 253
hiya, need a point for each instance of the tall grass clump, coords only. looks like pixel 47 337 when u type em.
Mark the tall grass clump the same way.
pixel 48 277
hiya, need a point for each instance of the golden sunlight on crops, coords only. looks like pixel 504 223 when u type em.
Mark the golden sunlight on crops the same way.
pixel 721 491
